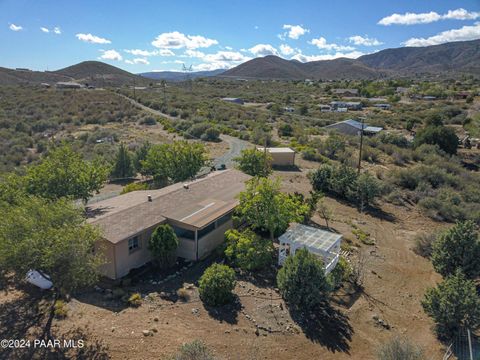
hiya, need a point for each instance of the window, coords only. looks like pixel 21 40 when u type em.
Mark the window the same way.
pixel 133 244
pixel 207 229
pixel 184 233
pixel 224 219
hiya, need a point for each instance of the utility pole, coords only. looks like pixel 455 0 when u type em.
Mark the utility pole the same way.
pixel 361 146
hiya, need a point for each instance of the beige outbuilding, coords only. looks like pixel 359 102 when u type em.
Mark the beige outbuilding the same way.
pixel 281 156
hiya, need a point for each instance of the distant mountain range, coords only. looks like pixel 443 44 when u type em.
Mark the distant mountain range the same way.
pixel 180 75
pixel 449 59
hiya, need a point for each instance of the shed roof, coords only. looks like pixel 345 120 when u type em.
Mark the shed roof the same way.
pixel 196 204
pixel 277 149
pixel 313 238
pixel 357 125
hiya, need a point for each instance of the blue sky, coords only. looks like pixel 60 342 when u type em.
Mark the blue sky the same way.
pixel 143 36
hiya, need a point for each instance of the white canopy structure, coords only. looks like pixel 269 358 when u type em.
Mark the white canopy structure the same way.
pixel 324 244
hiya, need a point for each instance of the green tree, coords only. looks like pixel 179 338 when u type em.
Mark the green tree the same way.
pixel 254 162
pixel 178 161
pixel 247 250
pixel 453 304
pixel 457 248
pixel 63 173
pixel 302 281
pixel 216 285
pixel 263 206
pixel 163 246
pixel 140 155
pixel 442 136
pixel 123 167
pixel 368 189
pixel 320 178
pixel 51 237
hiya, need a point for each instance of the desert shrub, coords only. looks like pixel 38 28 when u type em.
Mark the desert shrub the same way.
pixel 370 154
pixel 183 294
pixel 333 146
pixel 394 139
pixel 302 281
pixel 60 310
pixel 340 273
pixel 446 205
pixel 442 136
pixel 399 349
pixel 135 300
pixel 148 121
pixel 285 130
pixel 363 236
pixel 458 248
pixel 247 250
pixel 163 245
pixel 368 189
pixel 454 304
pixel 135 186
pixel 211 134
pixel 216 285
pixel 195 350
pixel 423 244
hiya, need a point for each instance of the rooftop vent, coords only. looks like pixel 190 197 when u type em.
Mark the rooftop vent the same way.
pixel 149 197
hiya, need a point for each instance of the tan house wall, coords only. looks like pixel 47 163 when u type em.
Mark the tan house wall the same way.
pixel 283 159
pixel 210 241
pixel 107 249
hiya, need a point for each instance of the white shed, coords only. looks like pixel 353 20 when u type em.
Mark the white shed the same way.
pixel 281 156
pixel 324 244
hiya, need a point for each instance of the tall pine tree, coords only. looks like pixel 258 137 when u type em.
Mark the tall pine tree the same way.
pixel 123 167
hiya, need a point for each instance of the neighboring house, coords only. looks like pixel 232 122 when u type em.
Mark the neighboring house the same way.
pixel 353 127
pixel 282 156
pixel 68 85
pixel 350 105
pixel 383 106
pixel 324 244
pixel 345 92
pixel 325 108
pixel 234 100
pixel 199 211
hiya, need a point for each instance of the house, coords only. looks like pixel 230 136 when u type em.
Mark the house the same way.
pixel 324 244
pixel 383 106
pixel 68 85
pixel 346 92
pixel 325 108
pixel 199 211
pixel 353 127
pixel 281 156
pixel 350 105
pixel 234 100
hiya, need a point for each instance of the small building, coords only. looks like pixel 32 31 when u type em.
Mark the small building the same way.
pixel 325 108
pixel 429 98
pixel 45 85
pixel 324 244
pixel 199 212
pixel 68 85
pixel 234 100
pixel 353 127
pixel 346 92
pixel 383 106
pixel 350 105
pixel 281 156
pixel 289 109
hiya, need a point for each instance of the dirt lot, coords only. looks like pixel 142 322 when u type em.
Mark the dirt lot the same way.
pixel 395 281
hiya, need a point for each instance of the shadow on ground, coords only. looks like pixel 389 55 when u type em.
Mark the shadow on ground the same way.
pixel 227 313
pixel 326 326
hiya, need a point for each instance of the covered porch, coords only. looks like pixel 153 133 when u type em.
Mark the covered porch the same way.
pixel 324 244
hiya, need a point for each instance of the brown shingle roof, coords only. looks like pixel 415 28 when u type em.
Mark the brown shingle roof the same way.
pixel 203 201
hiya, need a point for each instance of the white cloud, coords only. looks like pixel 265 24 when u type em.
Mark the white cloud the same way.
pixel 92 39
pixel 144 53
pixel 14 27
pixel 193 53
pixel 306 58
pixel 263 50
pixel 218 60
pixel 463 34
pixel 294 31
pixel 111 55
pixel 322 43
pixel 44 29
pixel 177 40
pixel 138 61
pixel 426 18
pixel 286 50
pixel 364 40
pixel 57 30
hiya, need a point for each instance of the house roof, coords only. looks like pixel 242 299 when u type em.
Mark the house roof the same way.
pixel 196 204
pixel 277 149
pixel 312 238
pixel 357 125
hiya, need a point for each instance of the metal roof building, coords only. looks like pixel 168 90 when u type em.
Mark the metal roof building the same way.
pixel 324 244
